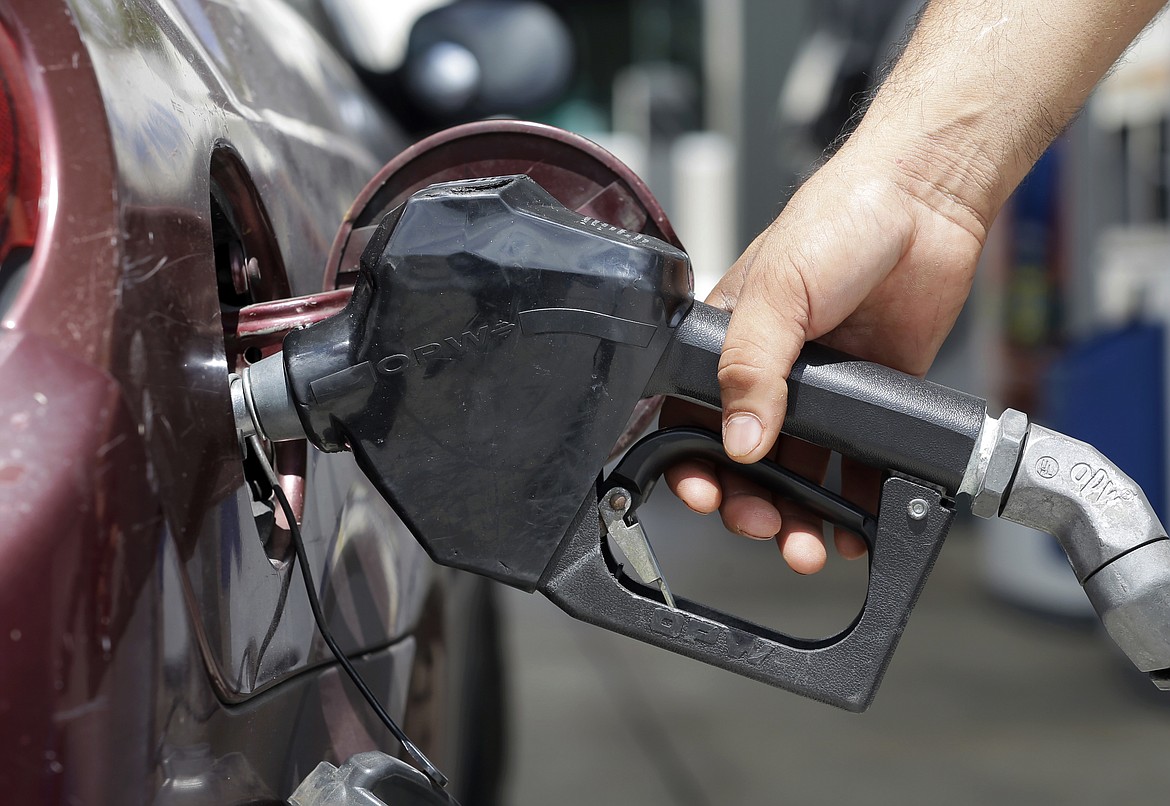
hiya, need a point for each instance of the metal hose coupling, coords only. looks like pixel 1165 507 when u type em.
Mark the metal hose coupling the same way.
pixel 1115 543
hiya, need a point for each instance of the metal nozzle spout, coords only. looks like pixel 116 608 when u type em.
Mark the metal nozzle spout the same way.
pixel 262 404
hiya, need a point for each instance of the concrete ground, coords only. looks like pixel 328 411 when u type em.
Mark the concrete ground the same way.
pixel 982 704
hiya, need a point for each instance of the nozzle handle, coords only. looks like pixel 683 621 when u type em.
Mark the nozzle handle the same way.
pixel 866 411
pixel 645 462
pixel 585 580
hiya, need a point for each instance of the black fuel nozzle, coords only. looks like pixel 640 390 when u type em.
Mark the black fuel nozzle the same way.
pixel 489 359
pixel 493 350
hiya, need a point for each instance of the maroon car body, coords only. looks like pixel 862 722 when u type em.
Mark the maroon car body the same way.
pixel 190 158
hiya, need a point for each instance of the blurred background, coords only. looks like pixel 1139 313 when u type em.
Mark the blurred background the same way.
pixel 1004 689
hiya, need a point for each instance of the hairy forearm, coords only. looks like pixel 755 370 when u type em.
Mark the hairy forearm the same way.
pixel 984 86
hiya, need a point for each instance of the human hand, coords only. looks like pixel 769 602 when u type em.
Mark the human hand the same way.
pixel 868 258
pixel 875 254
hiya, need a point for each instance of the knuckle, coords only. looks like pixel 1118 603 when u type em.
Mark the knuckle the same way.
pixel 781 295
pixel 741 368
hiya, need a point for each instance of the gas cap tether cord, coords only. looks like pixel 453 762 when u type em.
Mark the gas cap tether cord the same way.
pixel 428 768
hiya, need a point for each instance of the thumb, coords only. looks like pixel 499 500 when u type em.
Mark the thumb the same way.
pixel 769 325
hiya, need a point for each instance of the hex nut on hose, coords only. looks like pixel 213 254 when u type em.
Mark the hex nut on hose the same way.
pixel 1001 465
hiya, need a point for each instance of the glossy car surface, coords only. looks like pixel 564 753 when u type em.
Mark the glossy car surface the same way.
pixel 194 158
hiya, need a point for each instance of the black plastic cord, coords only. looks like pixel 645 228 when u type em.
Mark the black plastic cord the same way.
pixel 428 768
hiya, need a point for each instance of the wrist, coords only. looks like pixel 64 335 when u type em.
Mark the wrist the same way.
pixel 982 89
pixel 954 161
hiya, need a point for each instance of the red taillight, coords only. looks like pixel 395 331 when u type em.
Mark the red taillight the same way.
pixel 20 162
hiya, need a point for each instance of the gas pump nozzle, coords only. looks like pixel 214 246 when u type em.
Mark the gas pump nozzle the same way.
pixel 492 352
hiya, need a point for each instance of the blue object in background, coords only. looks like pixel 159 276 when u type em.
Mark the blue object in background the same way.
pixel 1033 305
pixel 1109 391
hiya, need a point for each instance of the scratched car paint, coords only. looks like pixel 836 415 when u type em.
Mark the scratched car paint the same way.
pixel 194 157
